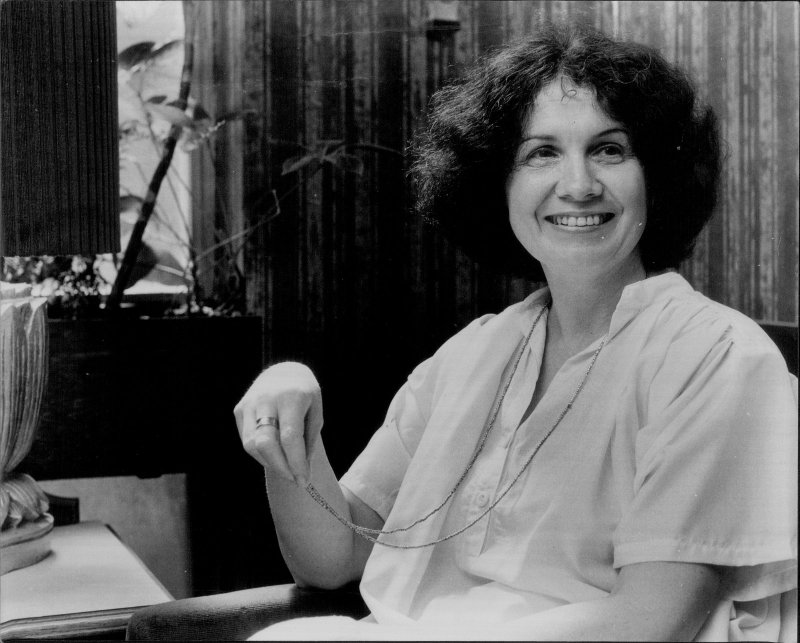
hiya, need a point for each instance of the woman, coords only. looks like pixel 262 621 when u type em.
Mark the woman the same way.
pixel 613 457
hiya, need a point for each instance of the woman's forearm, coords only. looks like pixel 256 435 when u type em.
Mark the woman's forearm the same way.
pixel 654 601
pixel 319 551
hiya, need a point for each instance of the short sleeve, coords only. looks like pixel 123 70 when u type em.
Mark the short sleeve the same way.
pixel 377 473
pixel 716 465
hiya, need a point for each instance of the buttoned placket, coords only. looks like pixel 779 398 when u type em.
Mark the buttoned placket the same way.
pixel 490 468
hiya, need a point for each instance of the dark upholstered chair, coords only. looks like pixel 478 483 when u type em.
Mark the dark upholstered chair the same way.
pixel 238 615
pixel 235 616
pixel 785 337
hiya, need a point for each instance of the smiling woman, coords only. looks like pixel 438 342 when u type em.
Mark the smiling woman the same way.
pixel 614 457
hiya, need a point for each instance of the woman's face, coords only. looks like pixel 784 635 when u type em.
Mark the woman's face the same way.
pixel 576 194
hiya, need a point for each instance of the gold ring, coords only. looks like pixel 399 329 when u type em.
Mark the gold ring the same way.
pixel 266 421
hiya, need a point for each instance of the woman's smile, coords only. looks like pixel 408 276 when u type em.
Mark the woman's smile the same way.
pixel 580 221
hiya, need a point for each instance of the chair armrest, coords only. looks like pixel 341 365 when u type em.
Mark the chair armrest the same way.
pixel 238 615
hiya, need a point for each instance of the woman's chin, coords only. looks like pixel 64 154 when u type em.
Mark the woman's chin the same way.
pixel 579 262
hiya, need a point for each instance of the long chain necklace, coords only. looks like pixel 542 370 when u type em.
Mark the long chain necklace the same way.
pixel 373 535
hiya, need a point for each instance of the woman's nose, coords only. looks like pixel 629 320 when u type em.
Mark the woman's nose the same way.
pixel 577 181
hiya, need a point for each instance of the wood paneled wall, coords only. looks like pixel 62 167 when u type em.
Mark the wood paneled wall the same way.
pixel 352 283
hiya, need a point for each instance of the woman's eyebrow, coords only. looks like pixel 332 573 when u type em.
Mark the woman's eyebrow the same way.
pixel 548 137
pixel 612 130
pixel 538 137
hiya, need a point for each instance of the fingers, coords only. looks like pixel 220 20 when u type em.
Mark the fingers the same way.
pixel 263 442
pixel 292 439
pixel 267 445
pixel 313 424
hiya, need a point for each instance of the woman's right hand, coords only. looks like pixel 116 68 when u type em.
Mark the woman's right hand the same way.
pixel 288 394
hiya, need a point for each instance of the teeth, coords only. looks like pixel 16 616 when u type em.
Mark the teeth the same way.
pixel 578 222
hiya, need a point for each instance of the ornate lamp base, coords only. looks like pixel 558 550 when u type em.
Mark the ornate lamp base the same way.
pixel 24 521
pixel 25 545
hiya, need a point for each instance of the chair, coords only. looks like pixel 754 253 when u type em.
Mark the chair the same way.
pixel 234 616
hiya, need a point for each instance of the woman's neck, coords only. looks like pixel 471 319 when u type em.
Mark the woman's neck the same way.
pixel 582 305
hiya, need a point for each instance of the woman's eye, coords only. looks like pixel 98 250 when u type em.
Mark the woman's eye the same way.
pixel 610 152
pixel 541 154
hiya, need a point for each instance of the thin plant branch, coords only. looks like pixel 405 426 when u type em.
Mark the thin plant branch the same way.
pixel 273 213
pixel 170 172
pixel 186 243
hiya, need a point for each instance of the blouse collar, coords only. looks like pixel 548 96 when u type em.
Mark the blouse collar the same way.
pixel 635 297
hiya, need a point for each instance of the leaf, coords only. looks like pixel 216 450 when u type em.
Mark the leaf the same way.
pixel 129 127
pixel 295 163
pixel 163 50
pixel 171 114
pixel 202 125
pixel 129 202
pixel 136 80
pixel 135 54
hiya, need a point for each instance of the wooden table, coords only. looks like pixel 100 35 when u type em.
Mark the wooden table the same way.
pixel 88 586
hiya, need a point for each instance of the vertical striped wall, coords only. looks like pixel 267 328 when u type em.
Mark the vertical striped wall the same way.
pixel 348 280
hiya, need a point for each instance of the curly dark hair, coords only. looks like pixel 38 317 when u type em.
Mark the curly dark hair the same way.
pixel 463 158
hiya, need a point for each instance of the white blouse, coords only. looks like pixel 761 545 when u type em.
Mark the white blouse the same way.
pixel 681 446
